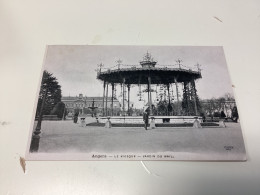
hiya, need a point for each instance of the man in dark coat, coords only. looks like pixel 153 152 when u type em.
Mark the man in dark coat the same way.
pixel 76 117
pixel 146 118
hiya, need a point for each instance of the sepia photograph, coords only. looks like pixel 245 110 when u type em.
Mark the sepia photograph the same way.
pixel 98 102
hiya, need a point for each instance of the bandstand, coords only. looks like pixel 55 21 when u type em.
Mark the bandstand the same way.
pixel 148 74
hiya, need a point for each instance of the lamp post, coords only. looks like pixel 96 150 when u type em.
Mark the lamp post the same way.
pixel 36 134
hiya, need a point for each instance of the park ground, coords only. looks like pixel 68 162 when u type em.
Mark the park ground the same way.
pixel 67 137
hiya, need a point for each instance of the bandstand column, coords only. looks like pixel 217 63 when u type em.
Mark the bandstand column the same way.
pixel 150 95
pixel 148 100
pixel 128 108
pixel 193 90
pixel 186 95
pixel 169 100
pixel 103 101
pixel 112 104
pixel 177 94
pixel 168 89
pixel 189 94
pixel 123 96
pixel 106 98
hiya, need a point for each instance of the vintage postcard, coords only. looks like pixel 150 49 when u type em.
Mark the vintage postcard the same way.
pixel 135 103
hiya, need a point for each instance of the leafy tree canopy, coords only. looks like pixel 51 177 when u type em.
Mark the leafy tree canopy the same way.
pixel 51 87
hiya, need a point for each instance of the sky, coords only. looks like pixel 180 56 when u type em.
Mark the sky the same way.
pixel 75 66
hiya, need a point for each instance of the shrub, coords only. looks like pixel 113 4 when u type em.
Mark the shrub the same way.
pixel 58 109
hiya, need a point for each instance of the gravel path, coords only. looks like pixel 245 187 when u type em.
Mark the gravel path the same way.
pixel 67 137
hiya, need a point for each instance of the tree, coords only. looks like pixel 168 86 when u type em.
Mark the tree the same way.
pixel 59 110
pixel 162 107
pixel 210 107
pixel 51 87
pixel 217 105
pixel 189 98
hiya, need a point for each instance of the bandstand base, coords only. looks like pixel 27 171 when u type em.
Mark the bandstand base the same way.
pixel 156 119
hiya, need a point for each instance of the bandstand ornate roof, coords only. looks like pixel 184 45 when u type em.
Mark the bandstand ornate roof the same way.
pixel 139 75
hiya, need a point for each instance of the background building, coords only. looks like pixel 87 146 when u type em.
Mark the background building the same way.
pixel 83 104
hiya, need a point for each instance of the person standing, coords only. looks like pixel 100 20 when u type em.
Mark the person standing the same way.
pixel 146 118
pixel 76 117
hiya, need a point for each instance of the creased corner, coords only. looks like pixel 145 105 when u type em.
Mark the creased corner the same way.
pixel 23 164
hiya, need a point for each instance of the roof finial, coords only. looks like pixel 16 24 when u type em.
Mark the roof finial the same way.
pixel 148 61
pixel 147 57
pixel 179 63
pixel 119 62
pixel 198 66
pixel 100 66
